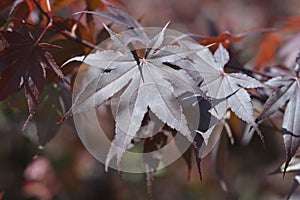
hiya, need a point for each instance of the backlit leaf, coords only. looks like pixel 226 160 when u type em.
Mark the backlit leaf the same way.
pixel 142 83
pixel 220 84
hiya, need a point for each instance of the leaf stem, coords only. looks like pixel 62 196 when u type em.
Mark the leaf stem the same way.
pixel 50 24
pixel 251 72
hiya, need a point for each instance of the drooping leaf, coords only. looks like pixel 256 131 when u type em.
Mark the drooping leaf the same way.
pixel 144 82
pixel 152 155
pixel 288 91
pixel 208 129
pixel 24 64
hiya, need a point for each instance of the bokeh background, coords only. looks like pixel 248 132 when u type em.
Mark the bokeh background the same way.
pixel 64 169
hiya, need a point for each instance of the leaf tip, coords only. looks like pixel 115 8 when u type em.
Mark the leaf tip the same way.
pixel 259 134
pixel 287 162
pixel 27 122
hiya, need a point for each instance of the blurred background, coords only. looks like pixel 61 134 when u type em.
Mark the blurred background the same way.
pixel 63 169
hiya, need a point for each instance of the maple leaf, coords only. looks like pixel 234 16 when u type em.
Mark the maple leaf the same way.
pixel 220 85
pixel 145 82
pixel 24 64
pixel 288 92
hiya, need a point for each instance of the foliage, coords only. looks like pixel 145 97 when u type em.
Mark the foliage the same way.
pixel 167 80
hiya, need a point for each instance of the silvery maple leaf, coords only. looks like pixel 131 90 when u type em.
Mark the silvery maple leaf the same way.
pixel 220 85
pixel 288 91
pixel 145 83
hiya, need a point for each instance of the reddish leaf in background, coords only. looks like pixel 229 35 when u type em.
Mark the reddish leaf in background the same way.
pixel 226 38
pixel 24 64
pixel 291 24
pixel 267 50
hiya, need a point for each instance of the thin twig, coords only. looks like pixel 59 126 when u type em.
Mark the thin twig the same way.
pixel 50 24
pixel 248 71
pixel 69 35
pixel 74 27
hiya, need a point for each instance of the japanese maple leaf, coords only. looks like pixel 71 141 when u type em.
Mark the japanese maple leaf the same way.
pixel 24 64
pixel 288 92
pixel 222 85
pixel 141 83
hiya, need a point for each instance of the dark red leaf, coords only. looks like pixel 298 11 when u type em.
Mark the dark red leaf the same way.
pixel 24 64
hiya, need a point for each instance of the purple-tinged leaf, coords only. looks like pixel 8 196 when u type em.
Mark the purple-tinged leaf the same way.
pixel 24 64
pixel 278 98
pixel 288 91
pixel 220 84
pixel 141 83
pixel 291 125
